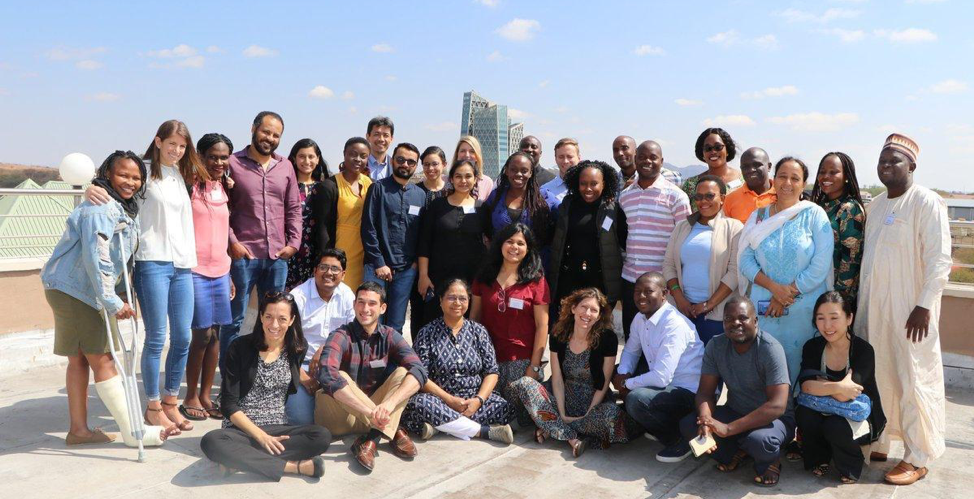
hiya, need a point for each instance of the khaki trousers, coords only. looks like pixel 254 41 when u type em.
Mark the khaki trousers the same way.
pixel 343 420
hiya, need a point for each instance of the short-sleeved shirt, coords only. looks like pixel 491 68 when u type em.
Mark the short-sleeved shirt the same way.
pixel 747 374
pixel 511 331
pixel 651 214
pixel 741 203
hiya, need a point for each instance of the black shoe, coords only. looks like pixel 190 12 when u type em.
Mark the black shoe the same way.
pixel 674 453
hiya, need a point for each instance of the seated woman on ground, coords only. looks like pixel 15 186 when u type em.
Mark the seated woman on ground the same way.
pixel 79 282
pixel 459 396
pixel 261 372
pixel 583 352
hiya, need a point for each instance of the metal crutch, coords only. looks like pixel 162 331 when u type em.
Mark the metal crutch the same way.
pixel 125 360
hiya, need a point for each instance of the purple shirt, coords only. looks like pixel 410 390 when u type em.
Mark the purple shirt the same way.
pixel 265 210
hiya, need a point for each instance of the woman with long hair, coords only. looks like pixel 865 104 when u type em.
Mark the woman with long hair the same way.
pixel 575 405
pixel 335 210
pixel 510 298
pixel 310 168
pixel 468 149
pixel 840 365
pixel 212 287
pixel 715 147
pixel 836 190
pixel 784 260
pixel 261 373
pixel 518 198
pixel 79 281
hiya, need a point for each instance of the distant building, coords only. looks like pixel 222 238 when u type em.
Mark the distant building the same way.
pixel 491 125
pixel 961 209
pixel 30 226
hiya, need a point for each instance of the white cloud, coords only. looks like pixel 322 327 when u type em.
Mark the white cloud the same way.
pixel 766 42
pixel 258 51
pixel 562 109
pixel 444 126
pixel 729 120
pixel 845 35
pixel 487 3
pixel 88 65
pixel 348 95
pixel 392 78
pixel 352 110
pixel 321 92
pixel 63 53
pixel 195 61
pixel 732 37
pixel 961 136
pixel 519 30
pixel 725 38
pixel 771 92
pixel 184 56
pixel 909 35
pixel 688 102
pixel 496 56
pixel 103 97
pixel 831 14
pixel 544 83
pixel 181 50
pixel 950 86
pixel 383 48
pixel 816 121
pixel 213 49
pixel 516 114
pixel 648 50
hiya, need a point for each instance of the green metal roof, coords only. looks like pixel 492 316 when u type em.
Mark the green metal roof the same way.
pixel 38 221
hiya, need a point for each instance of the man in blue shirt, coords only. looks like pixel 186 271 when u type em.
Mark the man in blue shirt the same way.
pixel 390 232
pixel 380 135
pixel 566 156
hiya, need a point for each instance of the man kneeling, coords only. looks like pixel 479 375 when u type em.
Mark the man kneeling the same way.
pixel 758 419
pixel 367 374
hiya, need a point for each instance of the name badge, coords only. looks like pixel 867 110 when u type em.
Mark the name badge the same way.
pixel 216 195
pixel 469 209
pixel 889 219
pixel 414 210
pixel 607 224
pixel 377 363
pixel 516 303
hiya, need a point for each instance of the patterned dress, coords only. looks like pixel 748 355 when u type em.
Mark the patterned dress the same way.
pixel 300 267
pixel 690 187
pixel 458 365
pixel 848 221
pixel 264 403
pixel 607 423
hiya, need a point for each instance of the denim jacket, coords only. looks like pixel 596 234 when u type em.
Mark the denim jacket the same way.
pixel 87 261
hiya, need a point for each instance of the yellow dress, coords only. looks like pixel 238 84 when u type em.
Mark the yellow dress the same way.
pixel 348 228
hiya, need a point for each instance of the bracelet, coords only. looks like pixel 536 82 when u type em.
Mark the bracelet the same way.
pixel 675 286
pixel 481 399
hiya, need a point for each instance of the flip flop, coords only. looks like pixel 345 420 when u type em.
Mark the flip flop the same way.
pixel 184 410
pixel 214 411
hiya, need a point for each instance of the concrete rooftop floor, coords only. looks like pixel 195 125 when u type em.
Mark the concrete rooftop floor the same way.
pixel 36 463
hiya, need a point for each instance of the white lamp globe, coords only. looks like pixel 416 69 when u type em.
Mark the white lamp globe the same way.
pixel 77 168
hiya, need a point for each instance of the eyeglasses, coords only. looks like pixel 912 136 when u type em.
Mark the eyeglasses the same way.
pixel 715 147
pixel 330 269
pixel 708 196
pixel 403 161
pixel 502 304
pixel 456 298
pixel 276 295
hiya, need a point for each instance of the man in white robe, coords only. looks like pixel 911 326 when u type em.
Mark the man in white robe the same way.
pixel 905 266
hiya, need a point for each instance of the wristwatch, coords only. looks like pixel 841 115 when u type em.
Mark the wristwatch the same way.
pixel 536 369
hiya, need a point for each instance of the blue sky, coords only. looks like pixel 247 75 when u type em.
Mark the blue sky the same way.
pixel 796 77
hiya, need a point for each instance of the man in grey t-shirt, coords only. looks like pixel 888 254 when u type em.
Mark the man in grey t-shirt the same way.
pixel 758 419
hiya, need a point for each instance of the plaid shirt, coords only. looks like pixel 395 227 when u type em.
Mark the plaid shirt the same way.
pixel 367 358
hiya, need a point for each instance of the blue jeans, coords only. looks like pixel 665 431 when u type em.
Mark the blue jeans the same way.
pixel 706 328
pixel 300 406
pixel 764 444
pixel 397 294
pixel 660 411
pixel 267 275
pixel 164 292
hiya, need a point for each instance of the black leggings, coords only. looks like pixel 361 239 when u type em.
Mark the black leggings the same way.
pixel 828 437
pixel 235 449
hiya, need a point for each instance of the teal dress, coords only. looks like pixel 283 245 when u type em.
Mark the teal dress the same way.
pixel 799 252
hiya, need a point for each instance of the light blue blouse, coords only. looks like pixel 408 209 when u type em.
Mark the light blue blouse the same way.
pixel 695 261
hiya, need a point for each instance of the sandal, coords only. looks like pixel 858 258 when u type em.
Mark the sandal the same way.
pixel 97 437
pixel 214 411
pixel 821 470
pixel 186 425
pixel 172 431
pixel 848 480
pixel 793 451
pixel 738 458
pixel 539 435
pixel 199 415
pixel 578 447
pixel 770 477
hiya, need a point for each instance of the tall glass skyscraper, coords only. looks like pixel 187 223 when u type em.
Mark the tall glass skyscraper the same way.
pixel 492 127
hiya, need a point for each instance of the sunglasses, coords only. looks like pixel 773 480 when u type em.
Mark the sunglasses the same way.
pixel 502 304
pixel 277 295
pixel 403 161
pixel 708 196
pixel 715 147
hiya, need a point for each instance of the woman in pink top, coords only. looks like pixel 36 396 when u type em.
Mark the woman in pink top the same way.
pixel 211 277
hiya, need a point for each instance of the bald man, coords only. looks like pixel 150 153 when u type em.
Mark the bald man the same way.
pixel 624 154
pixel 757 191
pixel 532 146
pixel 652 206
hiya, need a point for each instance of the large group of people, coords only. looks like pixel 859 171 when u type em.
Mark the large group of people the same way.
pixel 815 315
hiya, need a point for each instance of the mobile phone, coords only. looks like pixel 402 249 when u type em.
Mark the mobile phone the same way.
pixel 763 307
pixel 429 294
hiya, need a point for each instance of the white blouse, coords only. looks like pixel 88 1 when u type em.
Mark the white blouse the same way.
pixel 166 221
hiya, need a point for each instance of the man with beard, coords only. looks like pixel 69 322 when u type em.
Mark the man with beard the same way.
pixel 652 207
pixel 532 146
pixel 265 219
pixel 758 418
pixel 390 232
pixel 905 267
pixel 624 153
pixel 380 134
pixel 757 192
pixel 324 304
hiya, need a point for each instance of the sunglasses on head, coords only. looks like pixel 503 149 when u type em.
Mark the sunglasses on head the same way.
pixel 276 295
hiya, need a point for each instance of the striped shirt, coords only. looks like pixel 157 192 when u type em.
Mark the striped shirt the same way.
pixel 651 215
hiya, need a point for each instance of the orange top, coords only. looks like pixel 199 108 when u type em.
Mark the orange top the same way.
pixel 742 202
